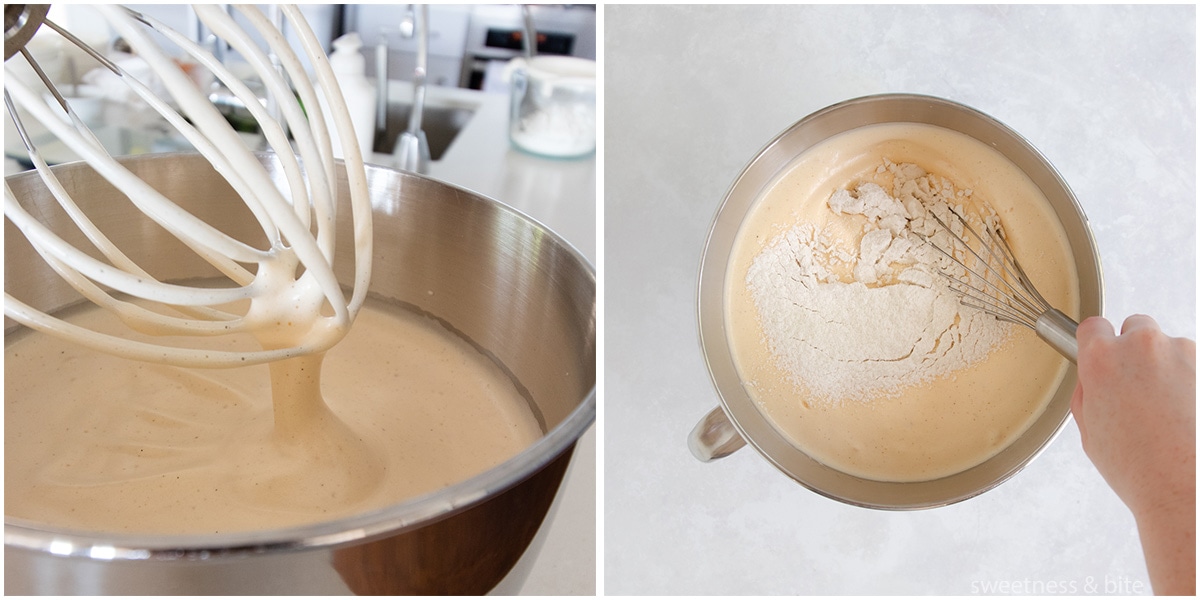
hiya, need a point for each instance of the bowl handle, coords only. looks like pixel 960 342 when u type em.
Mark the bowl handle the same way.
pixel 714 437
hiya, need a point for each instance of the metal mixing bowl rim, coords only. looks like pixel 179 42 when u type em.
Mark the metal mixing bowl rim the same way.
pixel 384 522
pixel 1034 153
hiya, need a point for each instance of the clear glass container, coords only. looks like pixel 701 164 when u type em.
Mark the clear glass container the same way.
pixel 553 110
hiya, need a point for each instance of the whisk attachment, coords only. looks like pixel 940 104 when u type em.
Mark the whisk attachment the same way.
pixel 982 269
pixel 297 216
pixel 21 21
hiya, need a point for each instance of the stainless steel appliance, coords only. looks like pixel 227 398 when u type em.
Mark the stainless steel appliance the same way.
pixel 496 34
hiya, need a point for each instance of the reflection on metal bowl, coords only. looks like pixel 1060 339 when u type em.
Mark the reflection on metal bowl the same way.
pixel 501 280
pixel 716 436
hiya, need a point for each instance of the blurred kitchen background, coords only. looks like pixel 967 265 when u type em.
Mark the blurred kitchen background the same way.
pixel 470 115
pixel 469 48
pixel 469 44
pixel 467 119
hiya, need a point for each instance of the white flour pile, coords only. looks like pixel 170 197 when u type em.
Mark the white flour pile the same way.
pixel 896 324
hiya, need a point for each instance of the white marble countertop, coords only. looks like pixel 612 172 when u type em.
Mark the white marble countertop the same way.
pixel 1107 93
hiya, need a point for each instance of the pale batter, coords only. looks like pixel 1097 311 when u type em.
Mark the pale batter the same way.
pixel 939 427
pixel 99 443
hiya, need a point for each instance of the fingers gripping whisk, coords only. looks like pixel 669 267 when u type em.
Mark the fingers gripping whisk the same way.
pixel 284 290
pixel 981 268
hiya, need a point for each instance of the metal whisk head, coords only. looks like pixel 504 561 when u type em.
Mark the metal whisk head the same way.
pixel 296 216
pixel 21 21
pixel 988 277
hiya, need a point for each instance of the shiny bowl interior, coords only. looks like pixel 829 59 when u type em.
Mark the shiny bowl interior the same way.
pixel 502 281
pixel 761 172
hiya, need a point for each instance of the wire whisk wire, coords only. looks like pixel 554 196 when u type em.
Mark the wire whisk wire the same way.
pixel 297 216
pixel 987 276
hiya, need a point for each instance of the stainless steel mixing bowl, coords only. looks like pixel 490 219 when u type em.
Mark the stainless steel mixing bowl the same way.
pixel 503 281
pixel 723 431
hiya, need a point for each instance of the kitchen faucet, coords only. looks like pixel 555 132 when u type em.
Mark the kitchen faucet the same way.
pixel 412 149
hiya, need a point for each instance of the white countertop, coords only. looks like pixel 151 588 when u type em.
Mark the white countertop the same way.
pixel 559 193
pixel 1107 93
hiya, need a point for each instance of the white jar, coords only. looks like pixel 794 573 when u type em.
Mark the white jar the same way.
pixel 349 67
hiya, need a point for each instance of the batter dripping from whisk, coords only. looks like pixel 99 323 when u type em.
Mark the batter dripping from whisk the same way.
pixel 845 342
pixel 290 302
pixel 99 443
pixel 104 444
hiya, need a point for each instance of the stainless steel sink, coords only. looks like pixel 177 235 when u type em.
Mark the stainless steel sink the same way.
pixel 440 123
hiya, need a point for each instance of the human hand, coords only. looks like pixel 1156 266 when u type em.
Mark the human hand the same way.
pixel 1135 405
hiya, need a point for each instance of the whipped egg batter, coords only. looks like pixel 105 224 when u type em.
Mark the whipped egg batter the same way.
pixel 936 428
pixel 401 407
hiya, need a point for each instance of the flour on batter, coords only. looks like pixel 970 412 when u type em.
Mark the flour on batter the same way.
pixel 853 323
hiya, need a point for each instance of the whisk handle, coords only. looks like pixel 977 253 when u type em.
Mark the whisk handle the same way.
pixel 1058 330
